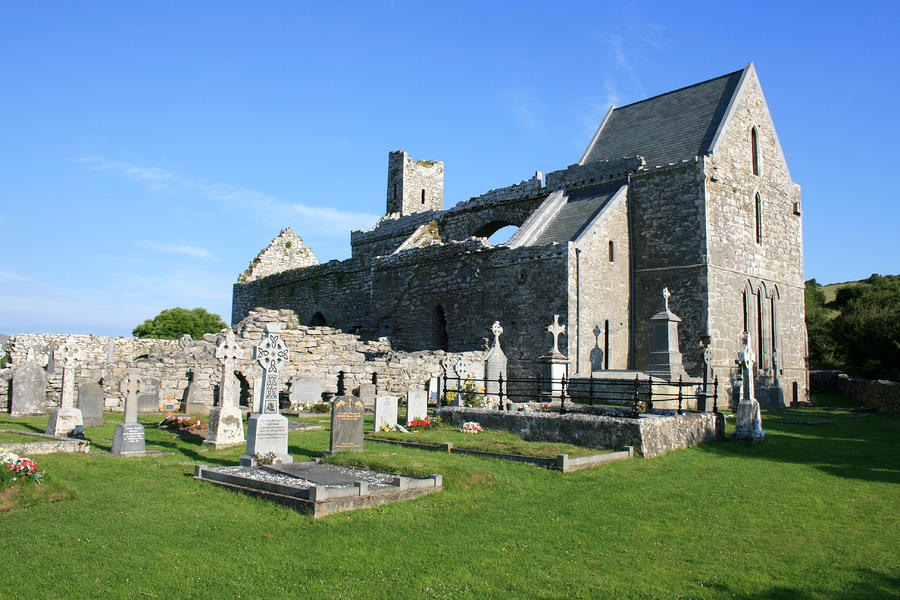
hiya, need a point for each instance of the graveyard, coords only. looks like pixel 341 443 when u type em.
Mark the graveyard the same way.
pixel 808 512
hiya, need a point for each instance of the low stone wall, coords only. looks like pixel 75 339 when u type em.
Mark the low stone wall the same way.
pixel 880 394
pixel 650 435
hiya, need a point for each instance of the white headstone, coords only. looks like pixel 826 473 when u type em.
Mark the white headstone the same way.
pixel 748 423
pixel 495 364
pixel 305 391
pixel 226 424
pixel 268 430
pixel 416 405
pixel 385 412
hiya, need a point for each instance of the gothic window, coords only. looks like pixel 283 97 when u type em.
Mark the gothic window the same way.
pixel 606 344
pixel 759 327
pixel 772 323
pixel 745 311
pixel 318 320
pixel 754 151
pixel 611 252
pixel 758 220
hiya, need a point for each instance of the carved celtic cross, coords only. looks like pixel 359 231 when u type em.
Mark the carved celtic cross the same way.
pixel 556 330
pixel 227 350
pixel 271 353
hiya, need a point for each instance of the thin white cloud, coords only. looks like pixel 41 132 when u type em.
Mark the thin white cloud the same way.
pixel 10 277
pixel 193 251
pixel 266 208
pixel 525 109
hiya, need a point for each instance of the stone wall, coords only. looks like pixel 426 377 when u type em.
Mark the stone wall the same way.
pixel 287 251
pixel 414 185
pixel 880 394
pixel 651 435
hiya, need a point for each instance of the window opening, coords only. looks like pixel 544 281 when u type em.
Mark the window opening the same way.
pixel 423 196
pixel 606 345
pixel 745 311
pixel 758 220
pixel 318 320
pixel 754 150
pixel 611 252
pixel 759 329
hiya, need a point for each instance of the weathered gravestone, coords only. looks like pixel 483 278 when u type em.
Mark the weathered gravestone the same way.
pixel 66 418
pixel 305 391
pixel 385 412
pixel 416 405
pixel 226 424
pixel 268 430
pixel 346 424
pixel 434 391
pixel 495 367
pixel 128 437
pixel 367 394
pixel 91 400
pixel 29 388
pixel 148 396
pixel 748 423
pixel 195 396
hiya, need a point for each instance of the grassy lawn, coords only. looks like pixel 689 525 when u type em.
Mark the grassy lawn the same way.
pixel 11 437
pixel 811 512
pixel 488 441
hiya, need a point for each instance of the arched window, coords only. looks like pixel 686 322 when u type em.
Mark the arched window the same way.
pixel 612 256
pixel 606 344
pixel 745 311
pixel 758 220
pixel 754 151
pixel 423 196
pixel 318 320
pixel 759 328
pixel 439 323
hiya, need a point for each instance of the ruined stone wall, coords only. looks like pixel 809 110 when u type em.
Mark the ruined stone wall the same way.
pixel 448 296
pixel 287 251
pixel 414 185
pixel 339 290
pixel 599 294
pixel 769 270
pixel 667 215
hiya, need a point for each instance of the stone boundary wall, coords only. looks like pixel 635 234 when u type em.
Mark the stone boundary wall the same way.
pixel 880 394
pixel 651 435
pixel 318 352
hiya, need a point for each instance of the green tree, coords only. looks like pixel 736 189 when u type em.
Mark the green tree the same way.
pixel 822 347
pixel 173 323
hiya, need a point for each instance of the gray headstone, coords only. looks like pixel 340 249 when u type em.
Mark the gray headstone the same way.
pixel 433 391
pixel 385 412
pixel 148 397
pixel 128 438
pixel 305 391
pixel 367 394
pixel 195 399
pixel 346 424
pixel 416 405
pixel 91 400
pixel 29 386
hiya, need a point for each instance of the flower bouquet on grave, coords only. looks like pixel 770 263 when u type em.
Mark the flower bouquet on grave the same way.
pixel 183 423
pixel 265 459
pixel 470 427
pixel 385 428
pixel 417 425
pixel 17 468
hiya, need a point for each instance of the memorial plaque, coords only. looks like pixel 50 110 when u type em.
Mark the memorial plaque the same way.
pixel 416 405
pixel 305 391
pixel 91 400
pixel 385 412
pixel 367 394
pixel 148 397
pixel 29 387
pixel 346 424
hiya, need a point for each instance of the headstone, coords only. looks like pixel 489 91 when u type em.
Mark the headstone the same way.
pixel 128 437
pixel 148 396
pixel 416 405
pixel 91 400
pixel 367 394
pixel 346 424
pixel 226 424
pixel 434 391
pixel 268 430
pixel 555 363
pixel 495 364
pixel 385 412
pixel 111 350
pixel 195 397
pixel 748 423
pixel 29 387
pixel 66 418
pixel 665 357
pixel 305 391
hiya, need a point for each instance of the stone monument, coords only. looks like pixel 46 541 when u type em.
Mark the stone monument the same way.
pixel 91 400
pixel 495 365
pixel 555 363
pixel 346 424
pixel 29 388
pixel 226 424
pixel 148 395
pixel 268 430
pixel 66 418
pixel 305 391
pixel 748 424
pixel 385 412
pixel 195 395
pixel 416 405
pixel 128 437
pixel 367 394
pixel 665 357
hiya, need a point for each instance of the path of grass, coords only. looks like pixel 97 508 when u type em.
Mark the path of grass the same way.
pixel 811 512
pixel 488 441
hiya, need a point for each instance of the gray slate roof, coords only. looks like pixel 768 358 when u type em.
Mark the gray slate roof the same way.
pixel 667 128
pixel 575 214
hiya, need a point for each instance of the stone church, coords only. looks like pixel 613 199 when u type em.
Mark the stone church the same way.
pixel 688 190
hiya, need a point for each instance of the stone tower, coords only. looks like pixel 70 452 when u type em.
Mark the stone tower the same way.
pixel 414 185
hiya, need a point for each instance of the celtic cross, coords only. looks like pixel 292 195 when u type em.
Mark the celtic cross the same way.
pixel 666 294
pixel 70 354
pixel 556 329
pixel 227 350
pixel 130 387
pixel 497 330
pixel 271 353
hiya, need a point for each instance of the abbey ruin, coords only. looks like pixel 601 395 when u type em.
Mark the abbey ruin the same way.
pixel 688 190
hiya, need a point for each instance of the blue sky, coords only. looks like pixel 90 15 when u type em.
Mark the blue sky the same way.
pixel 151 149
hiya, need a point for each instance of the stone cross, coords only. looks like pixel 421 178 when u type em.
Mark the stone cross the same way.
pixel 271 353
pixel 746 359
pixel 130 387
pixel 227 350
pixel 556 329
pixel 497 330
pixel 666 294
pixel 69 354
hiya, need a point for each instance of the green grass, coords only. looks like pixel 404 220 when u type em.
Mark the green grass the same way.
pixel 10 437
pixel 811 512
pixel 488 441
